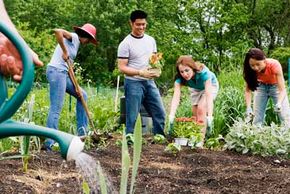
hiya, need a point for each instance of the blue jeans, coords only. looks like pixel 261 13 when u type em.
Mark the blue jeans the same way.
pixel 261 96
pixel 144 92
pixel 59 84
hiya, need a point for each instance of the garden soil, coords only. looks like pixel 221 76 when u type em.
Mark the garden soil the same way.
pixel 190 171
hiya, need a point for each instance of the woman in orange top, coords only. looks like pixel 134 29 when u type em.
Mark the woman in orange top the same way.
pixel 264 76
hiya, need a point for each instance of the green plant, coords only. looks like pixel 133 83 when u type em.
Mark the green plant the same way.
pixel 136 152
pixel 173 148
pixel 271 140
pixel 229 105
pixel 271 116
pixel 119 142
pixel 159 139
pixel 156 61
pixel 186 129
pixel 137 147
pixel 102 179
pixel 196 141
pixel 25 141
pixel 125 165
pixel 185 107
pixel 215 142
pixel 7 144
pixel 86 187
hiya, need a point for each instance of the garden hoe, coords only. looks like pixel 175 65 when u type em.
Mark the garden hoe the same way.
pixel 70 145
pixel 95 136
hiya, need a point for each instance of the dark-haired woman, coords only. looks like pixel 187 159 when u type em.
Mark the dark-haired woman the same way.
pixel 59 80
pixel 264 77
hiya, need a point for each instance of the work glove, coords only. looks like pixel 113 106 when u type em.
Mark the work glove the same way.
pixel 249 115
pixel 155 71
pixel 277 108
pixel 171 122
pixel 146 73
pixel 209 123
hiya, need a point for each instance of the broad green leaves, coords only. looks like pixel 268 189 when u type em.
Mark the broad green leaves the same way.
pixel 266 141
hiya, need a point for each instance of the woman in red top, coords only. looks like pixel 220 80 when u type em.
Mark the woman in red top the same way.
pixel 264 76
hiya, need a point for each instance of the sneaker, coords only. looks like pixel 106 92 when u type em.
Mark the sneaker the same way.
pixel 130 139
pixel 82 131
pixel 48 144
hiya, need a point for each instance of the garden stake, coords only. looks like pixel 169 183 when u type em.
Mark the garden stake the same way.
pixel 117 93
pixel 79 92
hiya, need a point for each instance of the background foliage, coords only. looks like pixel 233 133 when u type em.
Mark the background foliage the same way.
pixel 217 32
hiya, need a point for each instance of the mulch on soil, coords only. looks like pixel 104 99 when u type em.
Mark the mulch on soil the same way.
pixel 191 171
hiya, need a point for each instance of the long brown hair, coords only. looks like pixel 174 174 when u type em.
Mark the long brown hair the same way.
pixel 190 63
pixel 250 75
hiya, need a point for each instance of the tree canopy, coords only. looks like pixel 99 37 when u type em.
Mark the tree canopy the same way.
pixel 217 32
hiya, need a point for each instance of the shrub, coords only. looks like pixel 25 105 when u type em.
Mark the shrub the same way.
pixel 266 141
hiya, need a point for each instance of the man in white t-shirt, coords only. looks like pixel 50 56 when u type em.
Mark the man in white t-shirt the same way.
pixel 133 60
pixel 59 80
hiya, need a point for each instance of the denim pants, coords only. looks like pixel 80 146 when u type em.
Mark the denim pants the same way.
pixel 261 96
pixel 144 92
pixel 59 84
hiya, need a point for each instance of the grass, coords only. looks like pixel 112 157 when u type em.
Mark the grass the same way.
pixel 100 103
pixel 229 106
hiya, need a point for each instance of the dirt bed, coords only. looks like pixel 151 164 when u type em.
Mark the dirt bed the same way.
pixel 191 171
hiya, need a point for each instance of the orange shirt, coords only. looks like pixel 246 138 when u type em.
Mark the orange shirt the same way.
pixel 269 75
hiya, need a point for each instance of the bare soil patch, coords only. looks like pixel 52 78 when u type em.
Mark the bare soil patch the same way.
pixel 191 171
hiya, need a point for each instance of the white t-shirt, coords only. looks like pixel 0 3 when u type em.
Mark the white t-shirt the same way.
pixel 72 49
pixel 138 51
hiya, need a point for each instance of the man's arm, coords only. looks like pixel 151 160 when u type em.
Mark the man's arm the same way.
pixel 122 65
pixel 146 73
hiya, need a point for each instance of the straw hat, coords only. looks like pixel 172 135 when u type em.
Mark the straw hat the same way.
pixel 90 30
